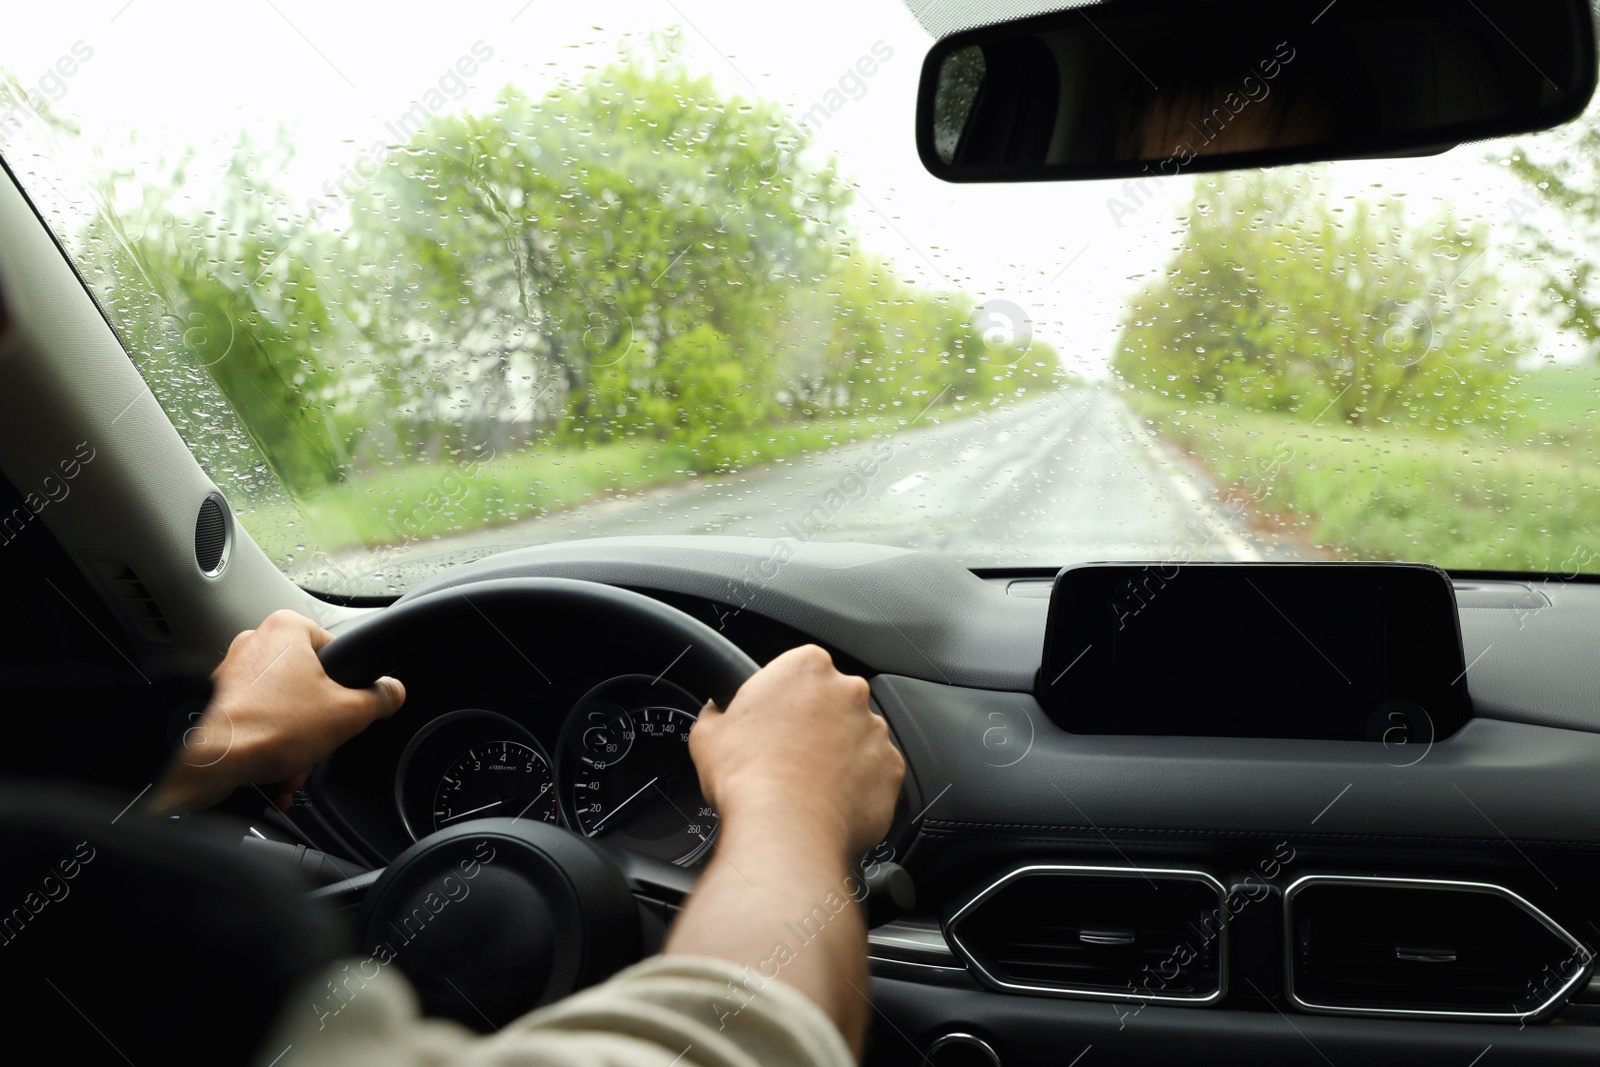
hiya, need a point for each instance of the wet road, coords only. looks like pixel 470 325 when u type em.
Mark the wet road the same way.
pixel 1061 478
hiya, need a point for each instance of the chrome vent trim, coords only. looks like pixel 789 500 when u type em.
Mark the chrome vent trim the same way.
pixel 967 955
pixel 1585 957
pixel 911 941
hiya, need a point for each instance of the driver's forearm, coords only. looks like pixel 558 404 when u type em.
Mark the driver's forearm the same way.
pixel 185 787
pixel 780 905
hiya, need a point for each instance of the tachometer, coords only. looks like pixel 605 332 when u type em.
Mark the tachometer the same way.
pixel 627 774
pixel 502 778
pixel 473 763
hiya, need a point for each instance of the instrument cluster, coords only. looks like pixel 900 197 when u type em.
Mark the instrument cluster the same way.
pixel 620 771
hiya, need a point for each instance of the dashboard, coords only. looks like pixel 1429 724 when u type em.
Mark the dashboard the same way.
pixel 1279 897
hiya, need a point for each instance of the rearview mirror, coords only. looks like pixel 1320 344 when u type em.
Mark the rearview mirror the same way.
pixel 1134 87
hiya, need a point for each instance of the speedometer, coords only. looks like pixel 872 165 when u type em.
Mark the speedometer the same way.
pixel 627 773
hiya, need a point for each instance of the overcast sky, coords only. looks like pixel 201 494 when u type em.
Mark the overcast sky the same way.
pixel 336 73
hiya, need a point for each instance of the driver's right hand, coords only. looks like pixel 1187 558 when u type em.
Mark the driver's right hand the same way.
pixel 799 742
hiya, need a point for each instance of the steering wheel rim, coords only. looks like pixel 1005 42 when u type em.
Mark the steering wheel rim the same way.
pixel 687 650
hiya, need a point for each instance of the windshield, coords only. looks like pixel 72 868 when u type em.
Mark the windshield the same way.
pixel 415 291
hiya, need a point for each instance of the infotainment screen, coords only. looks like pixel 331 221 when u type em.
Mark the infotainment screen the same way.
pixel 1348 651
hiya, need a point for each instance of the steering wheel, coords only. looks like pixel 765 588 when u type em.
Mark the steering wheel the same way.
pixel 493 917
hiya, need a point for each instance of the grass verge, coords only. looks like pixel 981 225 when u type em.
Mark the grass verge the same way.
pixel 1521 500
pixel 421 501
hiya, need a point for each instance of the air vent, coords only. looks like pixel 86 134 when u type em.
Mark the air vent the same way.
pixel 1108 932
pixel 1419 947
pixel 213 531
pixel 139 606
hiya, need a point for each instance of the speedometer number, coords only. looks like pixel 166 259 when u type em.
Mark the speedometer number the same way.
pixel 631 781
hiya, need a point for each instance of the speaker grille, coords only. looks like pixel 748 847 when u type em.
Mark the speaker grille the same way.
pixel 211 536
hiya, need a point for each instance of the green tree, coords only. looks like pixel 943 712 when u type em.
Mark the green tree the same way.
pixel 633 256
pixel 588 230
pixel 1562 172
pixel 229 301
pixel 1321 305
pixel 622 249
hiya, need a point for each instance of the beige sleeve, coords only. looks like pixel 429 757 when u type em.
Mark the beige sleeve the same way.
pixel 669 1011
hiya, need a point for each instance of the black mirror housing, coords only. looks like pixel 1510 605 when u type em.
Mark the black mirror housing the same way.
pixel 1158 87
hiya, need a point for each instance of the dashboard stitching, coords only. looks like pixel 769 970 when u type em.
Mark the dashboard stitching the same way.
pixel 953 829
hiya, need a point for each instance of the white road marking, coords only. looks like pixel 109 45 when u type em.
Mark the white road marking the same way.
pixel 1193 495
pixel 910 481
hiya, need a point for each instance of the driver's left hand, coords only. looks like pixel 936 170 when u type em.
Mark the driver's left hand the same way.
pixel 273 714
